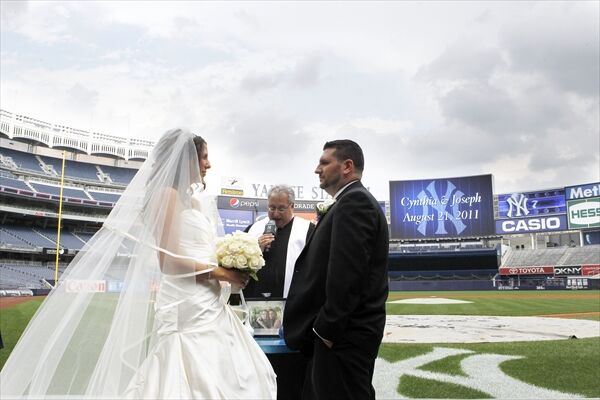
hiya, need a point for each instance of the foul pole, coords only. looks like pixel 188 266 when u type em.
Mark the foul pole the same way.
pixel 60 201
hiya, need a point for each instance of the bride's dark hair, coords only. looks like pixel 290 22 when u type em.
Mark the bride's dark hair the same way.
pixel 163 150
pixel 200 144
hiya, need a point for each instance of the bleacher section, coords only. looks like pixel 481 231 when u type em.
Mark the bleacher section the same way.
pixel 442 267
pixel 73 169
pixel 25 237
pixel 119 175
pixel 10 279
pixel 582 255
pixel 104 196
pixel 448 262
pixel 14 183
pixel 25 161
pixel 552 256
pixel 13 159
pixel 23 276
pixel 10 239
pixel 84 236
pixel 67 192
pixel 67 239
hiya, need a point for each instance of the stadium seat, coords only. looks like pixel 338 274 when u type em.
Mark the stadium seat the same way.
pixel 55 190
pixel 24 161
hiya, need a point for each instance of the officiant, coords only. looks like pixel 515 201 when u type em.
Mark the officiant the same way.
pixel 281 247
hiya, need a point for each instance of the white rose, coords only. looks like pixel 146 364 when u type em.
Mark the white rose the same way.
pixel 227 261
pixel 254 262
pixel 239 250
pixel 240 262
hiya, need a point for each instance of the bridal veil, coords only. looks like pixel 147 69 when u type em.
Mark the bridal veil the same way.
pixel 96 327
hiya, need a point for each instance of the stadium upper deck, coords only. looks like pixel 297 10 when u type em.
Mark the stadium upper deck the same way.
pixel 99 167
pixel 16 126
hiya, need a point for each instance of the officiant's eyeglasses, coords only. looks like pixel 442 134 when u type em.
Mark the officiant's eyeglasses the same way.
pixel 280 209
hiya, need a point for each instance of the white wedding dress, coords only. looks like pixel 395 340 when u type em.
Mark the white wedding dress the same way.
pixel 202 349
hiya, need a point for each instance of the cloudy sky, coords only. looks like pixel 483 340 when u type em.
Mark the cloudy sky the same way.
pixel 429 89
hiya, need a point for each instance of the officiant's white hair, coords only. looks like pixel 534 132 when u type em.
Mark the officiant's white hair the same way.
pixel 283 189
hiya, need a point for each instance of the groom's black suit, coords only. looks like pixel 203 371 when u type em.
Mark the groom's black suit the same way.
pixel 339 288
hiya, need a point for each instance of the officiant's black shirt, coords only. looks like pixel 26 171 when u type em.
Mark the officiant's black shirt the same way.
pixel 272 276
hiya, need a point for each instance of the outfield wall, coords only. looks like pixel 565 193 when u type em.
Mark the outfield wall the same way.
pixel 539 283
pixel 441 285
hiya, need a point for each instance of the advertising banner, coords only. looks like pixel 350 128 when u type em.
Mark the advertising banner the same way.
pixel 85 286
pixel 531 204
pixel 567 270
pixel 52 250
pixel 584 213
pixel 232 186
pixel 586 191
pixel 115 286
pixel 236 220
pixel 526 270
pixel 577 283
pixel 241 203
pixel 590 270
pixel 260 205
pixel 440 208
pixel 534 224
pixel 304 206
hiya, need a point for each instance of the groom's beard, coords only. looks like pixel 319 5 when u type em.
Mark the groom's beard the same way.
pixel 331 184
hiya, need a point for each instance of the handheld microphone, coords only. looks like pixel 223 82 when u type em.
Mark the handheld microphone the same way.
pixel 271 228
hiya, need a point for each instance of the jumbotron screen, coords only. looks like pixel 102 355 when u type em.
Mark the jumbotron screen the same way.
pixel 442 208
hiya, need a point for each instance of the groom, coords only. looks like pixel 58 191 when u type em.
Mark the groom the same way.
pixel 335 310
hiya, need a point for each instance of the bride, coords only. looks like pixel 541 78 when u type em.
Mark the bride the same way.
pixel 139 312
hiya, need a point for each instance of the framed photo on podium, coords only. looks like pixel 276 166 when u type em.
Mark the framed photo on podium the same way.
pixel 266 315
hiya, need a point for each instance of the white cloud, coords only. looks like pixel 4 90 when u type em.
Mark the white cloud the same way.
pixel 428 89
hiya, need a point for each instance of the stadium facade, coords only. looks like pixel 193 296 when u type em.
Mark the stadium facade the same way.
pixel 450 233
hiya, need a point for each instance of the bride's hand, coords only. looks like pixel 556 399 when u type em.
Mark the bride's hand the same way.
pixel 233 276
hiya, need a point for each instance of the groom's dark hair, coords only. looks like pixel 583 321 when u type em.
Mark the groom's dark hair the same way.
pixel 346 149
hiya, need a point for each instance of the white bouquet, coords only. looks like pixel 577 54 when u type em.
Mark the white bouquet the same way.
pixel 240 250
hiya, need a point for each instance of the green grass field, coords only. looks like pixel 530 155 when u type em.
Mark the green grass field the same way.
pixel 570 366
pixel 13 321
pixel 502 303
pixel 565 365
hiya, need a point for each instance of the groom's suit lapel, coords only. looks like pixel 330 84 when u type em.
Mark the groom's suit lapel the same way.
pixel 356 185
pixel 319 223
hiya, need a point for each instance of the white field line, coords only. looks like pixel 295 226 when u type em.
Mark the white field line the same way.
pixel 482 370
